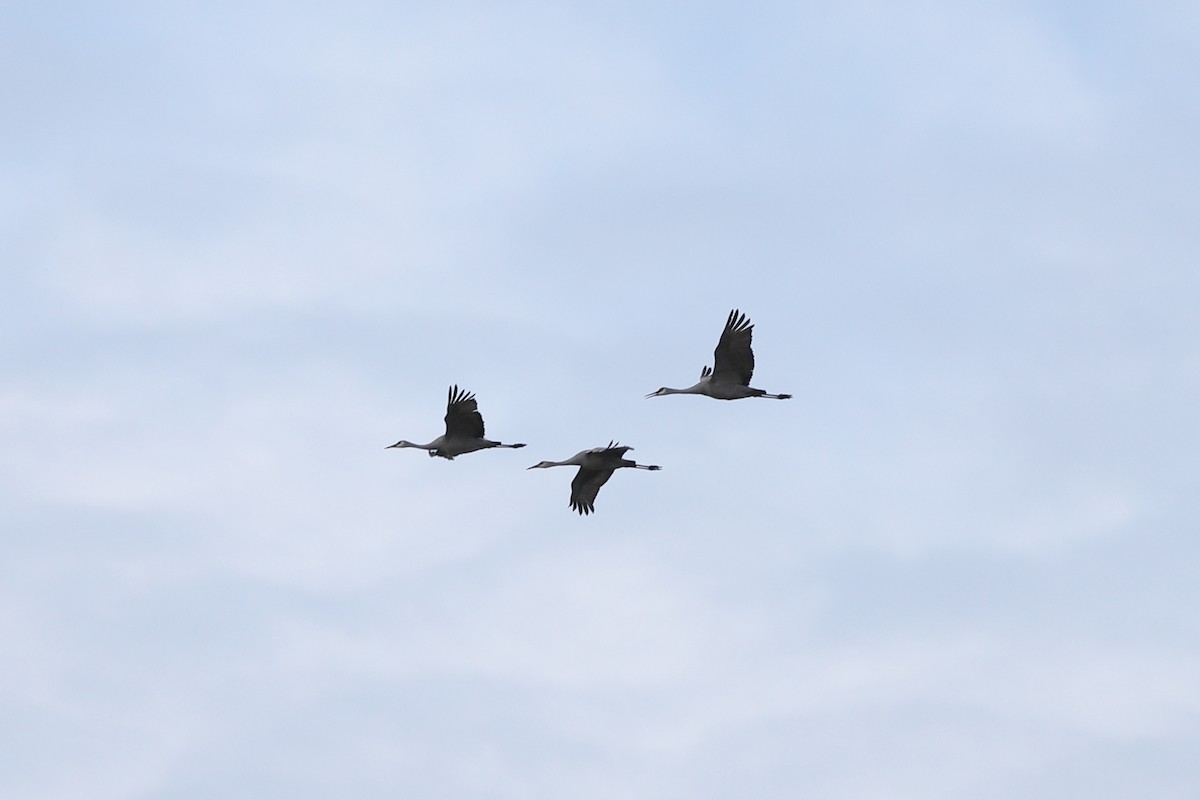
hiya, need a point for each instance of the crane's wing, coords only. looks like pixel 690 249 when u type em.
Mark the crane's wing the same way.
pixel 614 451
pixel 463 420
pixel 586 486
pixel 733 360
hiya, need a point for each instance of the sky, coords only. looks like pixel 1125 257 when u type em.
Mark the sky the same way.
pixel 245 246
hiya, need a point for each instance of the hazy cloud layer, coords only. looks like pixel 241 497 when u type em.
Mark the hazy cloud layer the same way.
pixel 246 246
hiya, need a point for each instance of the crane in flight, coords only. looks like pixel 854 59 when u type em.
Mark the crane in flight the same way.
pixel 464 429
pixel 733 365
pixel 596 466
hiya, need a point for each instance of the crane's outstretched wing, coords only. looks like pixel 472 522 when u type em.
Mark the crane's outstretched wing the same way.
pixel 463 420
pixel 733 360
pixel 614 451
pixel 586 486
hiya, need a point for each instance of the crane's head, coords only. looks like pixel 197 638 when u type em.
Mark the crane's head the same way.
pixel 660 392
pixel 401 443
pixel 542 465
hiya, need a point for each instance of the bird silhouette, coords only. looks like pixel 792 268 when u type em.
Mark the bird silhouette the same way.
pixel 596 466
pixel 733 366
pixel 464 429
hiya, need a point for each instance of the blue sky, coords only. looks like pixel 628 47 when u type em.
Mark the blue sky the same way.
pixel 246 245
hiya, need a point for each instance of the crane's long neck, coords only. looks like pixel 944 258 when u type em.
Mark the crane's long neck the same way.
pixel 403 444
pixel 570 462
pixel 666 390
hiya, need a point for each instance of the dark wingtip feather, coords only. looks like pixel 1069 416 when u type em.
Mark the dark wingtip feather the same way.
pixel 458 395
